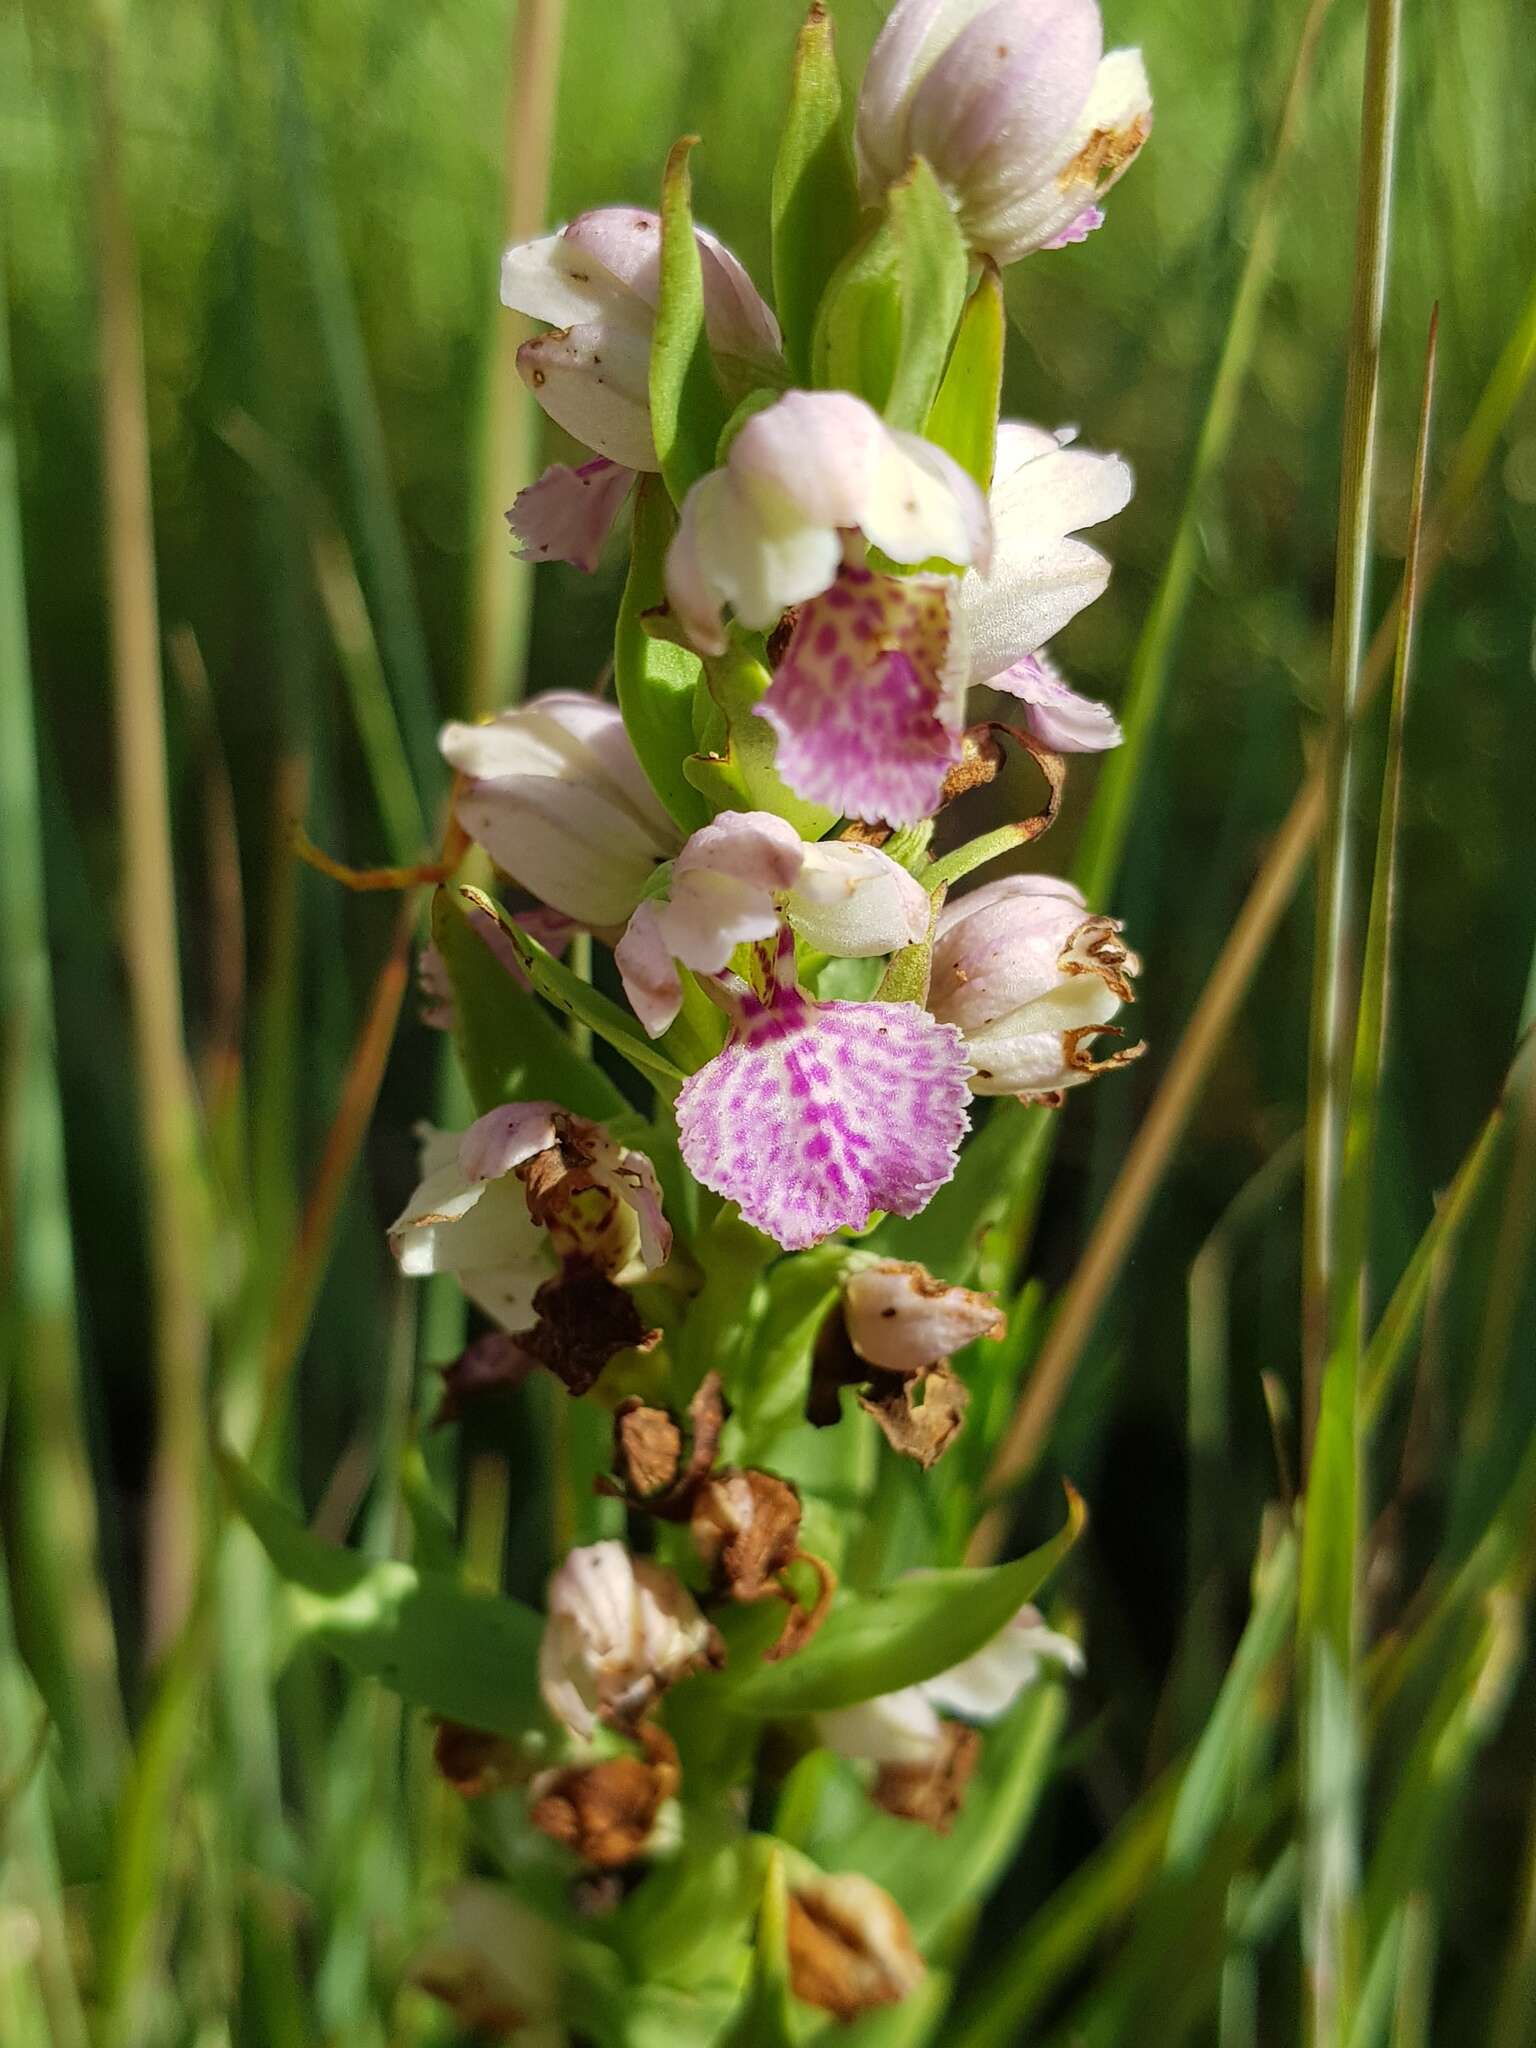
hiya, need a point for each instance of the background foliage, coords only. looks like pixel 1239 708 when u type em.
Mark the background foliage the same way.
pixel 317 191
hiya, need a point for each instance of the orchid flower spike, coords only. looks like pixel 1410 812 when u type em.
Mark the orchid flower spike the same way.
pixel 729 886
pixel 1024 120
pixel 596 283
pixel 1031 978
pixel 1043 492
pixel 525 1184
pixel 620 1631
pixel 815 1115
pixel 906 1727
pixel 556 795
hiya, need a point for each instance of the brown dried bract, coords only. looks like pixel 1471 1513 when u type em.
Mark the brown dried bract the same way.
pixel 746 1528
pixel 647 1449
pixel 606 1812
pixel 850 1948
pixel 981 761
pixel 474 1761
pixel 493 1364
pixel 1096 947
pixel 921 1430
pixel 1074 1046
pixel 801 1623
pixel 584 1320
pixel 932 1793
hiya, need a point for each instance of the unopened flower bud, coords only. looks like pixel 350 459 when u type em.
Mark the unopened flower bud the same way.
pixel 902 1319
pixel 620 1631
pixel 1024 120
pixel 1031 979
pixel 596 282
pixel 850 1948
pixel 557 797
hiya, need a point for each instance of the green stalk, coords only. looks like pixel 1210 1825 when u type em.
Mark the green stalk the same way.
pixel 177 1198
pixel 65 1625
pixel 1326 1288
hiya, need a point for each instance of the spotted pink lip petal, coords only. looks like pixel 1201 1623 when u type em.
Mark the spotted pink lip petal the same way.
pixel 868 722
pixel 568 514
pixel 815 1115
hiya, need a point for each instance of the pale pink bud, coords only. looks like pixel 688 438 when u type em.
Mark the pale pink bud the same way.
pixel 768 529
pixel 568 514
pixel 900 1318
pixel 596 283
pixel 1023 119
pixel 620 1631
pixel 1031 979
pixel 558 799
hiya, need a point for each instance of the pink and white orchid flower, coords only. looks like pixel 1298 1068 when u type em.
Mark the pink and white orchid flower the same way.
pixel 596 283
pixel 557 797
pixel 470 1215
pixel 620 1631
pixel 867 700
pixel 906 1727
pixel 817 1114
pixel 1031 979
pixel 1024 119
pixel 731 884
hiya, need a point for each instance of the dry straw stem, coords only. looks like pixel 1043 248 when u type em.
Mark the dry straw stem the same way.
pixel 1255 925
pixel 502 590
pixel 177 1209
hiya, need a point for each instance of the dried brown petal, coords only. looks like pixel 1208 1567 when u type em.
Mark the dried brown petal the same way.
pixel 606 1812
pixel 584 1320
pixel 492 1364
pixel 922 1432
pixel 474 1761
pixel 647 1449
pixel 850 1948
pixel 746 1528
pixel 933 1792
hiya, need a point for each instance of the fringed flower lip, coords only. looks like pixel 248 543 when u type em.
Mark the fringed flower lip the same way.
pixel 814 1116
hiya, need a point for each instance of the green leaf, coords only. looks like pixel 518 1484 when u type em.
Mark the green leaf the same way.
pixel 688 406
pixel 511 1048
pixel 963 421
pixel 889 316
pixel 903 1634
pixel 766 2018
pixel 471 1657
pixel 577 998
pixel 815 191
pixel 769 1392
pixel 742 774
pixel 655 679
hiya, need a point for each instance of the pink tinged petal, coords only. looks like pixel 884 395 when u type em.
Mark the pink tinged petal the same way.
pixel 752 846
pixel 709 915
pixel 924 505
pixel 1057 716
pixel 593 379
pixel 553 279
pixel 618 248
pixel 999 948
pixel 865 702
pixel 739 321
pixel 569 513
pixel 812 457
pixel 505 1137
pixel 644 960
pixel 856 902
pixel 815 1115
pixel 997 111
pixel 915 32
pixel 724 553
pixel 1078 229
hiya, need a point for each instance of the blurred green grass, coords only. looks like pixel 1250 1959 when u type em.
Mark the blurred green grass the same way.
pixel 316 193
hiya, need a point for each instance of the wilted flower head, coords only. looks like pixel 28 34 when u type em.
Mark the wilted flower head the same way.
pixel 903 1320
pixel 610 1812
pixel 815 1115
pixel 596 282
pixel 620 1631
pixel 850 1948
pixel 730 885
pixel 1032 979
pixel 526 1184
pixel 555 794
pixel 493 1963
pixel 1024 120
